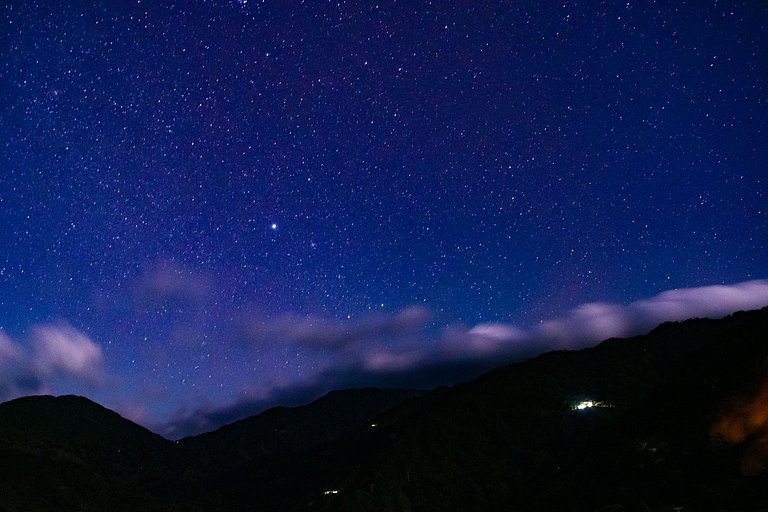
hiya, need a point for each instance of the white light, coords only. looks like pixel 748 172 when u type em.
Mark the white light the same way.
pixel 333 491
pixel 274 226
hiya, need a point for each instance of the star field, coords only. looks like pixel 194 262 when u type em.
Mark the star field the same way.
pixel 229 202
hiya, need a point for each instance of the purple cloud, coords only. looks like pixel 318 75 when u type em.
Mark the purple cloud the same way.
pixel 589 323
pixel 54 352
pixel 167 280
pixel 64 351
pixel 16 378
pixel 582 326
pixel 395 350
pixel 384 361
pixel 586 323
pixel 10 352
pixel 705 301
pixel 593 322
pixel 309 331
pixel 304 330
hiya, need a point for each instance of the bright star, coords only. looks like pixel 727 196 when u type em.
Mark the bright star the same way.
pixel 274 226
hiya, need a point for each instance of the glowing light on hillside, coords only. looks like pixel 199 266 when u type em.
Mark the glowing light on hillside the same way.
pixel 588 404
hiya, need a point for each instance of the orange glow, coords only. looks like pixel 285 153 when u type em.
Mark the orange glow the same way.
pixel 747 423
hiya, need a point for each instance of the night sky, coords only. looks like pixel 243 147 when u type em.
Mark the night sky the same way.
pixel 211 207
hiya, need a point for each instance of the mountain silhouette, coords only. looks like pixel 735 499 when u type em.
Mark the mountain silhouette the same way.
pixel 68 453
pixel 676 419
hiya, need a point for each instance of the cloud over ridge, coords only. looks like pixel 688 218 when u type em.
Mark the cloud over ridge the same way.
pixel 395 350
pixel 54 352
pixel 403 348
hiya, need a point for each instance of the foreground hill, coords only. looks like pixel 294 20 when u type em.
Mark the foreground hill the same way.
pixel 675 419
pixel 68 453
pixel 267 458
pixel 512 438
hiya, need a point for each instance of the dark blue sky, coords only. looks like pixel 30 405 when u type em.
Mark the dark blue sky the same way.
pixel 208 203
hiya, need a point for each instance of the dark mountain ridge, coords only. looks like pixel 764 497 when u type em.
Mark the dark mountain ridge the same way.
pixel 292 429
pixel 70 453
pixel 674 418
pixel 518 435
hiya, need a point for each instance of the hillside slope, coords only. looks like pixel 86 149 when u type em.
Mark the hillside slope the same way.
pixel 512 438
pixel 68 453
pixel 674 418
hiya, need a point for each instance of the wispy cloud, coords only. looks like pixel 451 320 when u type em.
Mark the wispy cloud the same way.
pixel 16 377
pixel 63 350
pixel 593 322
pixel 314 332
pixel 10 352
pixel 396 350
pixel 54 352
pixel 166 281
pixel 597 321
